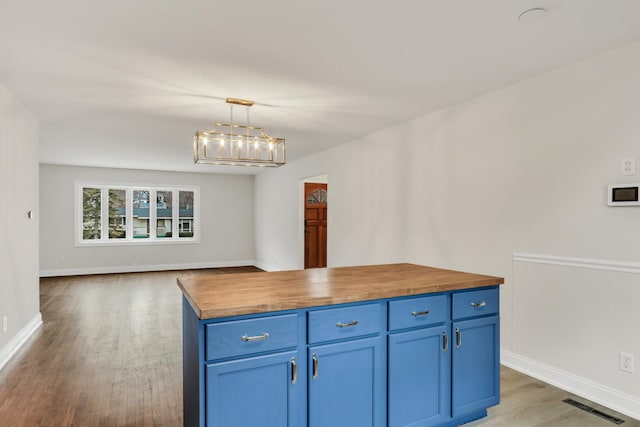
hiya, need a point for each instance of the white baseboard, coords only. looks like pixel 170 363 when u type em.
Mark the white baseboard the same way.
pixel 19 339
pixel 598 393
pixel 142 268
pixel 266 267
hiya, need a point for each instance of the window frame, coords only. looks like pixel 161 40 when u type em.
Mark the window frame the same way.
pixel 129 239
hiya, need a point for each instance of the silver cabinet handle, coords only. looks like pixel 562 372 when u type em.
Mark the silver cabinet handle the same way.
pixel 294 370
pixel 420 313
pixel 255 338
pixel 314 358
pixel 478 304
pixel 458 338
pixel 445 341
pixel 345 325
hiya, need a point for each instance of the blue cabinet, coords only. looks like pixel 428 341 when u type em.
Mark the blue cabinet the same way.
pixel 419 377
pixel 476 351
pixel 256 391
pixel 425 360
pixel 476 365
pixel 347 384
pixel 419 361
pixel 347 364
pixel 245 371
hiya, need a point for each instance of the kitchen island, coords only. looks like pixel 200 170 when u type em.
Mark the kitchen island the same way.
pixel 395 345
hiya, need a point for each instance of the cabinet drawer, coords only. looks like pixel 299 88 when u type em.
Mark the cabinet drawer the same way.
pixel 408 313
pixel 249 336
pixel 475 303
pixel 347 322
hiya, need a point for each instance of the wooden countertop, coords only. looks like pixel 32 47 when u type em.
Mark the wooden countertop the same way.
pixel 247 293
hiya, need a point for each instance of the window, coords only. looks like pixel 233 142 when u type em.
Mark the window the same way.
pixel 116 214
pixel 164 214
pixel 91 213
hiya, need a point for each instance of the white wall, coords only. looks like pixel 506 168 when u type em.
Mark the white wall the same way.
pixel 525 170
pixel 226 221
pixel 19 291
pixel 278 207
pixel 521 170
pixel 572 318
pixel 365 208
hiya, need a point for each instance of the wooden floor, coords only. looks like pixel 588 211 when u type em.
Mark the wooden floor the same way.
pixel 527 402
pixel 109 354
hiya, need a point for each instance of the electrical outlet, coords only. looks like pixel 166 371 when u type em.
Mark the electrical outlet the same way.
pixel 4 324
pixel 628 166
pixel 626 362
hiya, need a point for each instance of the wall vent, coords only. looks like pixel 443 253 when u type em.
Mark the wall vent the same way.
pixel 593 411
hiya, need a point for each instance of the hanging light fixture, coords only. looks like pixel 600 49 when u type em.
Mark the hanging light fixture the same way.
pixel 238 145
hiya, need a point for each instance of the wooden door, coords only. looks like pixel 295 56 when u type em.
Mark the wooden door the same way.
pixel 315 225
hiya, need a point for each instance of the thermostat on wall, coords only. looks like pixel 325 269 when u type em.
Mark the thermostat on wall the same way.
pixel 623 195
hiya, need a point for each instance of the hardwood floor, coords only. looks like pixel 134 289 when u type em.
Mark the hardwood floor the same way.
pixel 109 354
pixel 527 402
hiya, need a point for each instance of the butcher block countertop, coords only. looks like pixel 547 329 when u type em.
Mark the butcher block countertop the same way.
pixel 227 295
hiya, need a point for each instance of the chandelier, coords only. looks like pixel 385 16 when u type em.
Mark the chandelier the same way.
pixel 238 145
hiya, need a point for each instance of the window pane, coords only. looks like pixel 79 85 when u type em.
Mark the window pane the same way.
pixel 164 213
pixel 140 214
pixel 117 214
pixel 91 205
pixel 185 222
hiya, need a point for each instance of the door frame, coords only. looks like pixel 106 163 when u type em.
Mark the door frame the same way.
pixel 320 179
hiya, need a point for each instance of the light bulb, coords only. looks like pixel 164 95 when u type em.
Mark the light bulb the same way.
pixel 205 140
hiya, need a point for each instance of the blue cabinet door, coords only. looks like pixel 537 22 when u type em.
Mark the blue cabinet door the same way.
pixel 347 384
pixel 419 377
pixel 476 364
pixel 253 392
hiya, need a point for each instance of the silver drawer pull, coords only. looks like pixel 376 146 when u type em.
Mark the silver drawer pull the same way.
pixel 478 304
pixel 255 338
pixel 345 325
pixel 445 341
pixel 420 313
pixel 294 370
pixel 458 338
pixel 314 371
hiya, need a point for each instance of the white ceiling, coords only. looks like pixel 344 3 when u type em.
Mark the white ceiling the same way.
pixel 126 83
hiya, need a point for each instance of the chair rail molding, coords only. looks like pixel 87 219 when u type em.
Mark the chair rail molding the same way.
pixel 596 264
